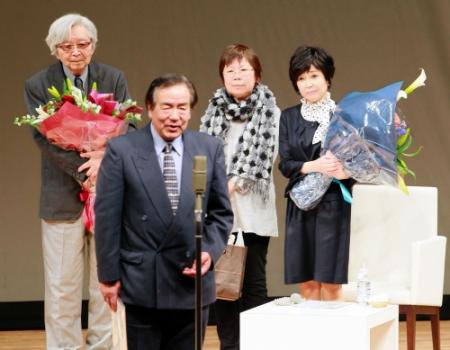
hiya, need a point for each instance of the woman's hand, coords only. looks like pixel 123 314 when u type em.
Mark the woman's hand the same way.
pixel 231 186
pixel 339 173
pixel 327 164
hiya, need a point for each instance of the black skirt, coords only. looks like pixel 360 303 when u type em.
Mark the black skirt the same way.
pixel 317 241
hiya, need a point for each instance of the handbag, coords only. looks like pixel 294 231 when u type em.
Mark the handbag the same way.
pixel 230 269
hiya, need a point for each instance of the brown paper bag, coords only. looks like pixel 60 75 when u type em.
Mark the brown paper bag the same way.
pixel 229 272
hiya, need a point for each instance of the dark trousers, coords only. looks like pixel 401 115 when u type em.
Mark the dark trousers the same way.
pixel 153 329
pixel 254 292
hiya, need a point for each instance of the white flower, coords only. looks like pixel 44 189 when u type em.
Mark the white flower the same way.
pixel 420 81
pixel 401 94
pixel 77 96
pixel 41 113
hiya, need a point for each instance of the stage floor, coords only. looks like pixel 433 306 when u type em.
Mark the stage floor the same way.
pixel 35 340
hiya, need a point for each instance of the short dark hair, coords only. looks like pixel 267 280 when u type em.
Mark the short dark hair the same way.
pixel 240 51
pixel 306 56
pixel 168 80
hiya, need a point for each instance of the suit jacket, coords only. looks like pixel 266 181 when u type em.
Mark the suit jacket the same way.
pixel 60 180
pixel 138 239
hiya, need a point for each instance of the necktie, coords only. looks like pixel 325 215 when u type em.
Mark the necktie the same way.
pixel 170 177
pixel 79 83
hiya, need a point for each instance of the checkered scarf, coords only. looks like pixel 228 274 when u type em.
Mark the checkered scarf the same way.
pixel 254 155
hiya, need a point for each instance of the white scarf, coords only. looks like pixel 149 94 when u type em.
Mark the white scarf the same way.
pixel 319 112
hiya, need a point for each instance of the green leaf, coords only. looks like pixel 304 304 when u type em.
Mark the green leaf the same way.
pixel 402 166
pixel 403 147
pixel 403 169
pixel 94 85
pixel 411 173
pixel 414 153
pixel 401 162
pixel 67 87
pixel 55 93
pixel 402 184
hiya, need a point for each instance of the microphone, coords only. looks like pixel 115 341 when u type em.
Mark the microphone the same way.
pixel 199 174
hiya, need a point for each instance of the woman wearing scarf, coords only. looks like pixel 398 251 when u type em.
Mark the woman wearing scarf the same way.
pixel 317 240
pixel 245 116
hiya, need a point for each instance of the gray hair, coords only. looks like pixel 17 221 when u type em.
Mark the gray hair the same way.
pixel 59 30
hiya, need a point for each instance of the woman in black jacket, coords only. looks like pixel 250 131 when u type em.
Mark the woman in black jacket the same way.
pixel 317 240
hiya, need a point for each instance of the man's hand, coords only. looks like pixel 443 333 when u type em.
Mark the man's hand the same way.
pixel 206 264
pixel 92 164
pixel 110 292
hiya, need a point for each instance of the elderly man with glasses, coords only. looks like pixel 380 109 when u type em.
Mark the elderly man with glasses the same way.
pixel 72 40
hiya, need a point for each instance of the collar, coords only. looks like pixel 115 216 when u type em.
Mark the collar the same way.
pixel 160 143
pixel 71 76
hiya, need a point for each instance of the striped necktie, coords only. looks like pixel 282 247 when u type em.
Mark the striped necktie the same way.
pixel 78 82
pixel 170 177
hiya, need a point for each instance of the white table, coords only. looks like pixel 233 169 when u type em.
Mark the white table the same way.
pixel 319 325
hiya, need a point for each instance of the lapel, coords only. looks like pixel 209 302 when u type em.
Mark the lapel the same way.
pixel 93 77
pixel 56 76
pixel 146 162
pixel 187 197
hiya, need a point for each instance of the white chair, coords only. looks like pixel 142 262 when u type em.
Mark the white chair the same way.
pixel 395 236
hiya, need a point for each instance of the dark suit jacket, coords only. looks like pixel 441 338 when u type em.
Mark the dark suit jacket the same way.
pixel 59 176
pixel 138 240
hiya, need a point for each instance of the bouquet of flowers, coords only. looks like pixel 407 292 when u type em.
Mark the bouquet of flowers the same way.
pixel 74 121
pixel 368 137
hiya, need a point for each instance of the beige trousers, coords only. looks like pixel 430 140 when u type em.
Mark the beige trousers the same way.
pixel 66 247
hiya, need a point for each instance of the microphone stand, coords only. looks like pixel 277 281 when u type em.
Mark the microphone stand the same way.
pixel 199 186
pixel 198 273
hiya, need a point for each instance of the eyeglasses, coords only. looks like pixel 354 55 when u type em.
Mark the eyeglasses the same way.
pixel 241 72
pixel 68 47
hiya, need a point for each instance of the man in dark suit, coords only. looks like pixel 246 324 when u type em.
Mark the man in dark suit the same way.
pixel 72 39
pixel 145 228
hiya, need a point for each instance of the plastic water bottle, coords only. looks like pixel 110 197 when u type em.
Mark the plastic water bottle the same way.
pixel 363 286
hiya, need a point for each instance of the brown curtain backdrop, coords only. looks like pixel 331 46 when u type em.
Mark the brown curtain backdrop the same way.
pixel 373 42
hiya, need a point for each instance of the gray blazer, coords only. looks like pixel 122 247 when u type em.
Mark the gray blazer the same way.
pixel 138 240
pixel 60 180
